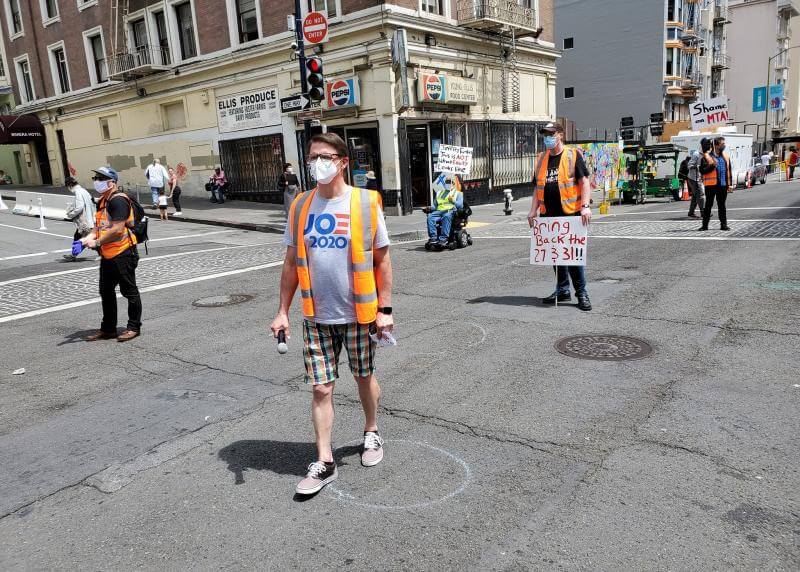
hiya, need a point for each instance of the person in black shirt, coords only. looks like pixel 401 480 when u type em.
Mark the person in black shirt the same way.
pixel 569 197
pixel 289 185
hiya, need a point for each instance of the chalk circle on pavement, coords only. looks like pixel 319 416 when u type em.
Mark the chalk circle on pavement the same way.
pixel 412 475
pixel 436 336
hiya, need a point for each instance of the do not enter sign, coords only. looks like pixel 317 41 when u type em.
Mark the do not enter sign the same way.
pixel 315 28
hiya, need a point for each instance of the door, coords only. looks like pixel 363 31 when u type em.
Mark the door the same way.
pixel 18 167
pixel 62 148
pixel 44 162
pixel 362 145
pixel 139 29
pixel 419 159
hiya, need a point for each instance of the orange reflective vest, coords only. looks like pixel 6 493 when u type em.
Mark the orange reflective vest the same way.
pixel 128 239
pixel 710 179
pixel 570 194
pixel 363 226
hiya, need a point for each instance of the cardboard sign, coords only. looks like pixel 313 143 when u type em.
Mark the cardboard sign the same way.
pixel 709 113
pixel 249 110
pixel 559 241
pixel 453 159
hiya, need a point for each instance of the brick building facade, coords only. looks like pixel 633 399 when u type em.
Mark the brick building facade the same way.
pixel 121 82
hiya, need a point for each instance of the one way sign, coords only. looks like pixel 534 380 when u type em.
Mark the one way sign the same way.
pixel 295 104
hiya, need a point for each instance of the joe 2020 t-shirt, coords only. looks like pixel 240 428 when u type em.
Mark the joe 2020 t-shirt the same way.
pixel 330 263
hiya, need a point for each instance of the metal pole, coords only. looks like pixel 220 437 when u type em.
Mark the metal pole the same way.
pixel 301 57
pixel 766 106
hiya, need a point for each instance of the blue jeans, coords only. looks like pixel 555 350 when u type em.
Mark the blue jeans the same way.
pixel 154 193
pixel 217 193
pixel 563 275
pixel 446 218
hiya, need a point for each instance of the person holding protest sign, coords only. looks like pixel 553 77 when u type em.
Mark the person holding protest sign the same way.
pixel 446 201
pixel 562 188
pixel 718 182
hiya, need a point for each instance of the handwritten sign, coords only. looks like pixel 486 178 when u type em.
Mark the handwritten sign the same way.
pixel 559 241
pixel 454 159
pixel 709 113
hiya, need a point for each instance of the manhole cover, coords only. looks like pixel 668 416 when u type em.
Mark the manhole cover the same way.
pixel 223 300
pixel 604 347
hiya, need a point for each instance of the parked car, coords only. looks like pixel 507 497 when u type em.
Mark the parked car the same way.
pixel 758 173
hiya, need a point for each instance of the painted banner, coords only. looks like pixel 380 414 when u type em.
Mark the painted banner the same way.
pixel 249 110
pixel 559 241
pixel 606 163
pixel 759 99
pixel 709 113
pixel 776 96
pixel 453 159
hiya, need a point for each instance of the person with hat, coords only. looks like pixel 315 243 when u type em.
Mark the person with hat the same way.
pixel 113 238
pixel 562 188
pixel 82 212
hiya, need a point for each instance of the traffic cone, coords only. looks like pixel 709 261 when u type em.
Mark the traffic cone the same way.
pixel 685 195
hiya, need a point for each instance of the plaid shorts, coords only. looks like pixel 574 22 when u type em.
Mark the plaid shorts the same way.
pixel 322 344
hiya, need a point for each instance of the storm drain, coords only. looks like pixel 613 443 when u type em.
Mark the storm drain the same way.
pixel 604 347
pixel 223 300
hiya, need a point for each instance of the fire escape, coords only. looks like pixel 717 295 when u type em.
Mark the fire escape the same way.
pixel 141 58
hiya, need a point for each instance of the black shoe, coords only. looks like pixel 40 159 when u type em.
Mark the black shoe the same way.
pixel 214 201
pixel 724 228
pixel 703 228
pixel 551 299
pixel 583 302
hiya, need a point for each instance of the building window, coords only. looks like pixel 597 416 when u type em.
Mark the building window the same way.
pixel 183 15
pixel 14 18
pixel 327 7
pixel 105 129
pixel 83 4
pixel 569 43
pixel 139 35
pixel 569 92
pixel 247 19
pixel 95 55
pixel 49 10
pixel 673 62
pixel 24 78
pixel 433 7
pixel 675 10
pixel 173 115
pixel 59 69
pixel 161 36
pixel 673 34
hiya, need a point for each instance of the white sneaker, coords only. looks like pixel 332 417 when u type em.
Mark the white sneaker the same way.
pixel 177 213
pixel 372 451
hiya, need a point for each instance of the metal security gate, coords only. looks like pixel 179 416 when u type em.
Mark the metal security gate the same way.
pixel 253 166
pixel 514 147
pixel 406 201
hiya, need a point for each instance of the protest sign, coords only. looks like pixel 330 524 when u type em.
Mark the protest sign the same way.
pixel 709 113
pixel 453 159
pixel 559 240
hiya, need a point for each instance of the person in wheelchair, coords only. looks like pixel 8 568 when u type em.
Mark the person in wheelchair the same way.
pixel 447 201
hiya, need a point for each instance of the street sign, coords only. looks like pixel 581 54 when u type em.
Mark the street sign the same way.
pixel 309 114
pixel 760 99
pixel 295 103
pixel 315 28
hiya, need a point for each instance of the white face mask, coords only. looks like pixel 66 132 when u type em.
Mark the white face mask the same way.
pixel 325 173
pixel 290 170
pixel 101 186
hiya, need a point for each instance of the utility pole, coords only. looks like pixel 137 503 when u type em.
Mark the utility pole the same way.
pixel 301 57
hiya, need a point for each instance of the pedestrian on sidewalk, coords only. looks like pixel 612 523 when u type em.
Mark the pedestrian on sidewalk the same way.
pixel 162 205
pixel 683 177
pixel 695 178
pixel 218 185
pixel 157 177
pixel 82 213
pixel 791 163
pixel 174 191
pixel 561 188
pixel 337 250
pixel 289 185
pixel 718 183
pixel 113 238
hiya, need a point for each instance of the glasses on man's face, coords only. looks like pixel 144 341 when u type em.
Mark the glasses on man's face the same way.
pixel 326 158
pixel 100 179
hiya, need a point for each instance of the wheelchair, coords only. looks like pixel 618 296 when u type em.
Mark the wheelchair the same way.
pixel 459 237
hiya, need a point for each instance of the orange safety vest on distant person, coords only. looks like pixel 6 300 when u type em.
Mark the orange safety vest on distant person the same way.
pixel 570 195
pixel 363 226
pixel 117 247
pixel 710 179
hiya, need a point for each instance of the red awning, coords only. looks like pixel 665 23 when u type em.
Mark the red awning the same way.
pixel 16 129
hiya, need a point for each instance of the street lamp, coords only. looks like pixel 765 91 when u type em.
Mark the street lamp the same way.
pixel 766 110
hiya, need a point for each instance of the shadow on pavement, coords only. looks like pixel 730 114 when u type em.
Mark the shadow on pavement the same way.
pixel 281 457
pixel 79 337
pixel 533 301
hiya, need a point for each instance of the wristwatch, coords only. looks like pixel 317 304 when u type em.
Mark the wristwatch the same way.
pixel 585 207
pixel 386 310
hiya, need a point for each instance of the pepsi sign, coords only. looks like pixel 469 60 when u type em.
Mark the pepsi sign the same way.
pixel 342 93
pixel 433 88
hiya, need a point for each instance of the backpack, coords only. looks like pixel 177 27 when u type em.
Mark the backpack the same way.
pixel 140 220
pixel 683 170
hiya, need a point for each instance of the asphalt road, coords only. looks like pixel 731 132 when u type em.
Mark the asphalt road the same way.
pixel 181 448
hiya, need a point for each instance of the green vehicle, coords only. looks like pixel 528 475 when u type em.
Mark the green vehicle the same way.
pixel 642 169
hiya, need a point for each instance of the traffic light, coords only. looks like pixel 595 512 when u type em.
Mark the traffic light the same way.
pixel 626 122
pixel 656 118
pixel 314 79
pixel 657 129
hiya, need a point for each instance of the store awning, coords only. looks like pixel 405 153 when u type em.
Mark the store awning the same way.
pixel 15 129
